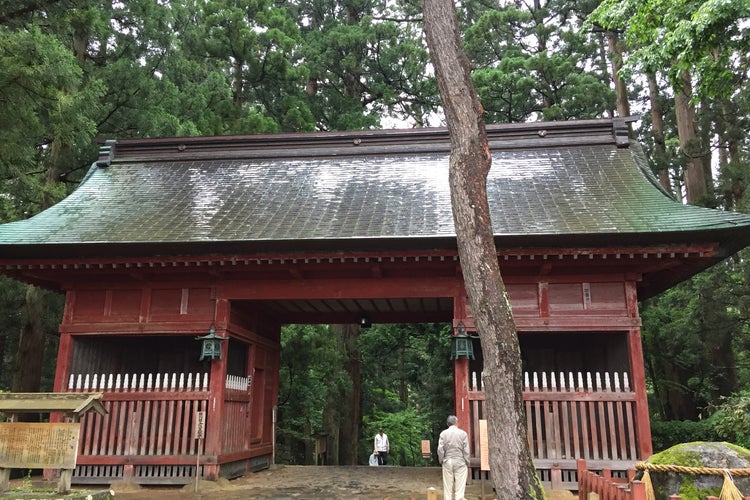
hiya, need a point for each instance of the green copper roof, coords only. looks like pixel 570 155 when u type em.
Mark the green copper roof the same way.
pixel 540 188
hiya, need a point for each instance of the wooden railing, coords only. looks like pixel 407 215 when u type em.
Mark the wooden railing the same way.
pixel 572 416
pixel 606 487
pixel 148 430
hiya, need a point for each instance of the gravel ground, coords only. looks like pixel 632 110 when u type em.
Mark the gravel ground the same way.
pixel 317 483
pixel 285 482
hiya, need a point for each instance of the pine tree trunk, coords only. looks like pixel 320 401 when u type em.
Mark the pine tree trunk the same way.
pixel 511 466
pixel 351 419
pixel 621 90
pixel 28 376
pixel 695 180
pixel 657 124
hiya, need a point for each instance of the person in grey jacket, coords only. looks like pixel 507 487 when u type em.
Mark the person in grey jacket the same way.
pixel 453 455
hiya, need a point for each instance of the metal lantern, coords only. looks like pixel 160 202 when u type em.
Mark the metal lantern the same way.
pixel 463 344
pixel 364 322
pixel 211 345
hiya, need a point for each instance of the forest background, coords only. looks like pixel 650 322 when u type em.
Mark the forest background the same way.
pixel 74 73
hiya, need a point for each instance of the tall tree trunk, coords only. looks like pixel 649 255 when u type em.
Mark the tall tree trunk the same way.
pixel 730 154
pixel 351 419
pixel 695 179
pixel 657 124
pixel 332 426
pixel 28 376
pixel 621 90
pixel 30 354
pixel 511 466
pixel 238 87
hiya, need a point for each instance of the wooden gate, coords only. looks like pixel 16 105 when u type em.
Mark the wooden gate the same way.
pixel 147 434
pixel 571 416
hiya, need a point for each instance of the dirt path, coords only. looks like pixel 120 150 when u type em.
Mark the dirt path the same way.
pixel 317 483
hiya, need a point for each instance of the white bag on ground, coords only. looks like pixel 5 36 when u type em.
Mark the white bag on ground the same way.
pixel 373 460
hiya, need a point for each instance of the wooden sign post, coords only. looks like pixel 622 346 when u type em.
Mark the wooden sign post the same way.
pixel 199 433
pixel 484 451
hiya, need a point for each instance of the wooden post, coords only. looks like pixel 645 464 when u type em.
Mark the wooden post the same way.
pixel 645 447
pixel 63 485
pixel 638 490
pixel 4 480
pixel 581 471
pixel 199 432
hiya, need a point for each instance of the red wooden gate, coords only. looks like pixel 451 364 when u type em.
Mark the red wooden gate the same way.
pixel 571 416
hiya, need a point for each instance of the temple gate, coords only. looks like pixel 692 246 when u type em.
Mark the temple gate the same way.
pixel 175 248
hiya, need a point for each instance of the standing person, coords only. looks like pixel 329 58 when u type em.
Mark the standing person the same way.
pixel 453 454
pixel 382 447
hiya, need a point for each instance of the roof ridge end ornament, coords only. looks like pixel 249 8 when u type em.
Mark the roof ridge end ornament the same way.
pixel 621 130
pixel 106 153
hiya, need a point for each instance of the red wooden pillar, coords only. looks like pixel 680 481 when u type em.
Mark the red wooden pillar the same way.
pixel 461 390
pixel 461 369
pixel 274 361
pixel 638 374
pixel 217 389
pixel 65 347
pixel 645 447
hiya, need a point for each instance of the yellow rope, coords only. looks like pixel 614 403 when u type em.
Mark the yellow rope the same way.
pixel 646 480
pixel 702 471
pixel 729 490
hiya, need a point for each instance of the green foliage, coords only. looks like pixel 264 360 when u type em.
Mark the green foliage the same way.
pixel 530 64
pixel 704 37
pixel 690 336
pixel 311 370
pixel 731 419
pixel 665 435
pixel 405 430
pixel 406 381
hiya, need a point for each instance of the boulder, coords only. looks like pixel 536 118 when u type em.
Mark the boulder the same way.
pixel 692 486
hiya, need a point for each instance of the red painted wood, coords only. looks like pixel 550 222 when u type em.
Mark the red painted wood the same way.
pixel 581 396
pixel 215 413
pixel 64 353
pixel 638 381
pixel 461 390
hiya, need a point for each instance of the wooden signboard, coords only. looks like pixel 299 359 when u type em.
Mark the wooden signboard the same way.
pixel 484 452
pixel 426 449
pixel 38 445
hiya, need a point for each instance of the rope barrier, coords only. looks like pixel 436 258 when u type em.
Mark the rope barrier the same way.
pixel 729 490
pixel 697 471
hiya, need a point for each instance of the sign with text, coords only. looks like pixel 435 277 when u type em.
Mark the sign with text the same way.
pixel 39 445
pixel 200 425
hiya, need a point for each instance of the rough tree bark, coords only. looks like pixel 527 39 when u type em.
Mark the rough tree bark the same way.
pixel 352 417
pixel 657 124
pixel 695 177
pixel 615 46
pixel 511 466
pixel 30 353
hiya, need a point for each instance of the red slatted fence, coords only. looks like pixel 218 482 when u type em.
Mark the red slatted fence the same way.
pixel 147 435
pixel 571 416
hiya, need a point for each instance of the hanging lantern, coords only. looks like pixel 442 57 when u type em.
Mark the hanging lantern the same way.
pixel 463 344
pixel 211 345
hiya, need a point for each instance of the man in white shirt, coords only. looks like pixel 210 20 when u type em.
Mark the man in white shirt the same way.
pixel 453 454
pixel 382 447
